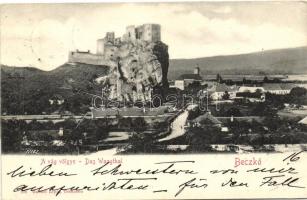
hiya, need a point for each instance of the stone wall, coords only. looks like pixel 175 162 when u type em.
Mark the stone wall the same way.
pixel 151 32
pixel 130 33
pixel 100 47
pixel 87 58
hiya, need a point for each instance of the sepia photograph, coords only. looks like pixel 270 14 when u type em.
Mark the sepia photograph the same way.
pixel 153 78
pixel 153 100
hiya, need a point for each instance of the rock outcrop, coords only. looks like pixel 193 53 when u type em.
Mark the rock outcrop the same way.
pixel 137 70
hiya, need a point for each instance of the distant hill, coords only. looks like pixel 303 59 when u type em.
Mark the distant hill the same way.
pixel 292 60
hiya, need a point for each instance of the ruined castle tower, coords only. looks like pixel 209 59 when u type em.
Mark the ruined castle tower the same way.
pixel 145 32
pixel 138 62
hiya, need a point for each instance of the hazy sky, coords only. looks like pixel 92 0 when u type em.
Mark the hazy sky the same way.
pixel 41 35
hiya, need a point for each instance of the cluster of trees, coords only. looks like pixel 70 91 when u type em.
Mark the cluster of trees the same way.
pixel 270 130
pixel 139 124
pixel 140 143
pixel 226 95
pixel 270 107
pixel 245 81
pixel 12 134
pixel 128 123
pixel 274 80
pixel 194 113
pixel 31 93
pixel 197 136
pixel 254 132
pixel 75 133
pixel 297 96
pixel 88 131
pixel 36 101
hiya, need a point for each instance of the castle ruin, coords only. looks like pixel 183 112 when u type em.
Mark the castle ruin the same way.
pixel 138 62
pixel 107 46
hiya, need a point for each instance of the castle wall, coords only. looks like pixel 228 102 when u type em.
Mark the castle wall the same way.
pixel 110 37
pixel 156 33
pixel 107 48
pixel 146 32
pixel 139 32
pixel 151 32
pixel 100 47
pixel 87 58
pixel 197 70
pixel 131 33
pixel 117 41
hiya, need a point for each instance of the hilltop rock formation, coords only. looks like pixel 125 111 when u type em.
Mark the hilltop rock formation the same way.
pixel 138 63
pixel 137 70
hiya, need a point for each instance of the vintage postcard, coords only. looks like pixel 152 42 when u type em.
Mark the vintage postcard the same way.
pixel 155 100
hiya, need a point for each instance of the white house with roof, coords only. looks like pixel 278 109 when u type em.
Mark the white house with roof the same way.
pixel 206 120
pixel 179 84
pixel 185 79
pixel 303 121
pixel 250 89
pixel 219 90
pixel 280 89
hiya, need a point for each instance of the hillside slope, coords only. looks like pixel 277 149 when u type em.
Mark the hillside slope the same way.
pixel 289 61
pixel 28 90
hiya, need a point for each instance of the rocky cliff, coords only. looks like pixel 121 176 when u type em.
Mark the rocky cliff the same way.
pixel 137 70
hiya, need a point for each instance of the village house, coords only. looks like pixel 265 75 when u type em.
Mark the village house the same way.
pixel 178 84
pixel 303 121
pixel 206 120
pixel 219 91
pixel 250 89
pixel 279 89
pixel 186 79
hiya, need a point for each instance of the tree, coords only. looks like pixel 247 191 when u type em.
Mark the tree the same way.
pixel 35 125
pixel 12 133
pixel 140 143
pixel 139 123
pixel 125 122
pixel 265 79
pixel 298 95
pixel 264 109
pixel 234 112
pixel 69 123
pixel 226 95
pixel 219 78
pixel 298 91
pixel 194 113
pixel 258 92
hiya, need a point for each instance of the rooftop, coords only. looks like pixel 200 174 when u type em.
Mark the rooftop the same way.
pixel 303 121
pixel 271 86
pixel 276 86
pixel 224 87
pixel 190 76
pixel 250 89
pixel 207 119
pixel 287 86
